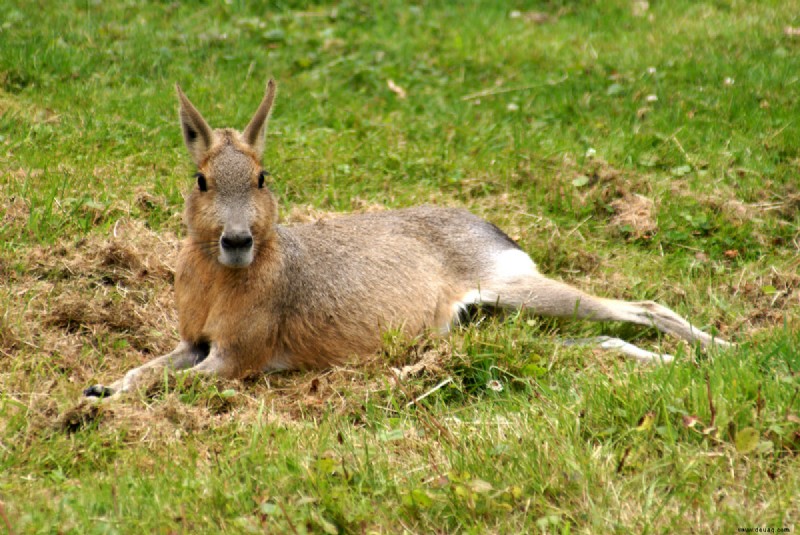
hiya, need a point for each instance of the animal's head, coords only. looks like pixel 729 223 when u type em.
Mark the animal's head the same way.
pixel 230 210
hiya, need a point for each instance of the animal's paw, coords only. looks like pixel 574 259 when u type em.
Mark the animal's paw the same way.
pixel 98 391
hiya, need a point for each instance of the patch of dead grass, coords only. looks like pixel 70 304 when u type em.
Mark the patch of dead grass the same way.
pixel 170 405
pixel 16 212
pixel 157 412
pixel 165 422
pixel 780 203
pixel 102 288
pixel 604 182
pixel 771 296
pixel 634 216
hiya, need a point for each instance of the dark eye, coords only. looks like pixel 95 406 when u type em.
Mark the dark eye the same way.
pixel 261 177
pixel 201 182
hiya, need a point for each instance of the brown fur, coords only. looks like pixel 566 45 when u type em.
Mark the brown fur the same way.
pixel 254 295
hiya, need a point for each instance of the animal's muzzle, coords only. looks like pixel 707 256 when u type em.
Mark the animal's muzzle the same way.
pixel 236 241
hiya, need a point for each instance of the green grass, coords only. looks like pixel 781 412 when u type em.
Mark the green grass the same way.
pixel 547 129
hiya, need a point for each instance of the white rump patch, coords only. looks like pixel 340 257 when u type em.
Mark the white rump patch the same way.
pixel 472 297
pixel 507 265
pixel 512 263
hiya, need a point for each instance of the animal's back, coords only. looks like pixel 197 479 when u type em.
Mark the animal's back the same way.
pixel 460 241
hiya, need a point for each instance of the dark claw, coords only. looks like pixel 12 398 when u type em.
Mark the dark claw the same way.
pixel 98 391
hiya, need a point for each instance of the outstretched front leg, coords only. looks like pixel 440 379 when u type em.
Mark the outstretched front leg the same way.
pixel 186 355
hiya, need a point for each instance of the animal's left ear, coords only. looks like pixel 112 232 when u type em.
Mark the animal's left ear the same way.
pixel 253 134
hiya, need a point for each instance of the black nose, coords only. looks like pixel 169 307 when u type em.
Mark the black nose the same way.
pixel 236 241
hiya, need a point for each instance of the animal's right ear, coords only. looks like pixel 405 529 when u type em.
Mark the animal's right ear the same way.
pixel 196 132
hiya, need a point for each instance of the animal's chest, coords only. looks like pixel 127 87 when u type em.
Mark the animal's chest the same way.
pixel 233 311
pixel 195 296
pixel 213 305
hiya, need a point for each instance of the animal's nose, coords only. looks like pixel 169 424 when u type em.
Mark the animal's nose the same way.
pixel 239 240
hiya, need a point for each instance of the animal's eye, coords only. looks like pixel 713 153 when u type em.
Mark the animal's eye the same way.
pixel 261 177
pixel 201 182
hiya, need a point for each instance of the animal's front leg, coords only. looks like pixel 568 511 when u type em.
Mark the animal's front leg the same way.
pixel 218 363
pixel 184 356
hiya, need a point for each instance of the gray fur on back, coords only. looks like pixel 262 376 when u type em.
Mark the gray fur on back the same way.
pixel 394 264
pixel 456 240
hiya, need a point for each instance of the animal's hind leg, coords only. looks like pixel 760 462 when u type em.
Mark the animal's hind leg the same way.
pixel 508 297
pixel 626 348
pixel 515 283
pixel 548 297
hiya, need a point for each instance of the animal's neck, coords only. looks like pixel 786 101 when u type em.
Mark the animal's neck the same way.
pixel 267 253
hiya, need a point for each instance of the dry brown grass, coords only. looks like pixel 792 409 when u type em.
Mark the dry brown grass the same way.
pixel 772 297
pixel 158 411
pixel 634 215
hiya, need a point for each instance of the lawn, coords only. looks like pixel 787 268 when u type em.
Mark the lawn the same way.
pixel 635 150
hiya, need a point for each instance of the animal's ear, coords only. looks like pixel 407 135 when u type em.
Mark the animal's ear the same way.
pixel 196 132
pixel 253 134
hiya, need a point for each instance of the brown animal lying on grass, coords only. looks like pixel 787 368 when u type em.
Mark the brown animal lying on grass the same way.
pixel 253 295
